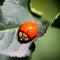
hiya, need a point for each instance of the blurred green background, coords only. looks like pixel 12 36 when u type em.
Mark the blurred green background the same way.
pixel 48 8
pixel 48 46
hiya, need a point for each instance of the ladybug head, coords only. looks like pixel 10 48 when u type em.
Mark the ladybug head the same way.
pixel 22 37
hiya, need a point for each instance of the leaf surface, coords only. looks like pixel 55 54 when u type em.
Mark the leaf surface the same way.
pixel 12 14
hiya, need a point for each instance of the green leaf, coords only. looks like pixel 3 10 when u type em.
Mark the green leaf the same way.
pixel 24 3
pixel 2 57
pixel 10 46
pixel 12 15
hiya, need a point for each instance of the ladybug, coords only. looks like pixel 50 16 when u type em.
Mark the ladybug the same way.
pixel 27 31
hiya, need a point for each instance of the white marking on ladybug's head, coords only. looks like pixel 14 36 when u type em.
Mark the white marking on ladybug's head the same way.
pixel 26 39
pixel 23 37
pixel 20 34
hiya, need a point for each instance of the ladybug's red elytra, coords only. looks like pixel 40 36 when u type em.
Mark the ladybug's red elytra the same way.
pixel 27 31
